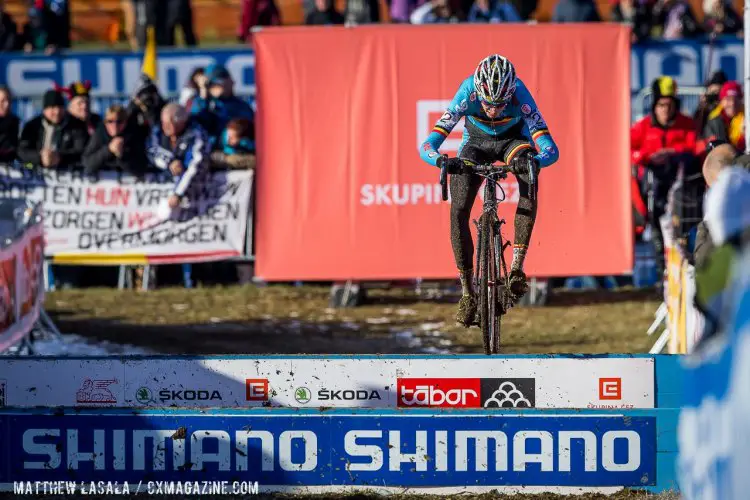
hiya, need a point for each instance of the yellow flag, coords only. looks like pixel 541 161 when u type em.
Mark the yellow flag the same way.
pixel 149 55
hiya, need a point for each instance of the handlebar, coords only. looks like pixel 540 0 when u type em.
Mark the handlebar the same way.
pixel 488 171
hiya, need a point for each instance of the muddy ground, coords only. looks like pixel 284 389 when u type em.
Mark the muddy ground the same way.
pixel 291 320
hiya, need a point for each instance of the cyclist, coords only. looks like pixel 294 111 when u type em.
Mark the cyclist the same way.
pixel 502 123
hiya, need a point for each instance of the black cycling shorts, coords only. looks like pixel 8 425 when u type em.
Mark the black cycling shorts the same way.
pixel 484 149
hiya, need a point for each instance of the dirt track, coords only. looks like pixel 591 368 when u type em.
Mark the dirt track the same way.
pixel 290 320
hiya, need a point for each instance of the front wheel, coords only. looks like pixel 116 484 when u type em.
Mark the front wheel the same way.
pixel 489 287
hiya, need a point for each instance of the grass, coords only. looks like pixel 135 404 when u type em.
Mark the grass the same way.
pixel 283 319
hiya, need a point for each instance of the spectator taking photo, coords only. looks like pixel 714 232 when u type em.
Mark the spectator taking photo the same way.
pixel 217 105
pixel 727 121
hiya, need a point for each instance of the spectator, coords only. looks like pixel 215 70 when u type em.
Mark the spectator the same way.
pixel 191 88
pixel 709 100
pixel 720 18
pixel 179 13
pixel 8 31
pixel 324 13
pixel 115 145
pixel 727 218
pixel 150 13
pixel 433 12
pixel 257 13
pixel 180 146
pixel 660 143
pixel 217 104
pixel 48 27
pixel 238 146
pixel 146 104
pixel 525 8
pixel 401 10
pixel 719 157
pixel 9 127
pixel 675 19
pixel 726 122
pixel 493 11
pixel 53 139
pixel 575 11
pixel 361 12
pixel 80 105
pixel 637 15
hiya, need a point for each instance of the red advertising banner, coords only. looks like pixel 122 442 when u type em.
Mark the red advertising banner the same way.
pixel 342 192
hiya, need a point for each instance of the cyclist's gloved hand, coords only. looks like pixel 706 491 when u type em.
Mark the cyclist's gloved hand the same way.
pixel 454 165
pixel 520 164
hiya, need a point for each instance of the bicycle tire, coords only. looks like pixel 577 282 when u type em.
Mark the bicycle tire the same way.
pixel 499 296
pixel 487 287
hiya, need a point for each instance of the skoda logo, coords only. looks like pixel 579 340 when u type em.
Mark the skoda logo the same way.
pixel 143 395
pixel 302 395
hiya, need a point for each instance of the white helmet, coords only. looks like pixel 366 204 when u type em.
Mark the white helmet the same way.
pixel 495 79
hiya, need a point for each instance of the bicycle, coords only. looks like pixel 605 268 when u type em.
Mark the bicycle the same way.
pixel 491 278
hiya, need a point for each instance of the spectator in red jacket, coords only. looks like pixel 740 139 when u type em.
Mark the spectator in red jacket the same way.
pixel 257 13
pixel 661 143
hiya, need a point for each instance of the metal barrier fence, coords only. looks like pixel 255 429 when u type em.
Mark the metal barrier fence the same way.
pixel 689 101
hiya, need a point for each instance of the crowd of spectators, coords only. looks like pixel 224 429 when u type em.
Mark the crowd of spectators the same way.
pixel 668 149
pixel 48 25
pixel 209 128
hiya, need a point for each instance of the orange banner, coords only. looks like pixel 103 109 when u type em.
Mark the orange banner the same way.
pixel 342 192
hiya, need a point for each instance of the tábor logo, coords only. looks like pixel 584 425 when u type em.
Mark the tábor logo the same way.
pixel 256 389
pixel 508 392
pixel 610 389
pixel 143 395
pixel 302 395
pixel 438 392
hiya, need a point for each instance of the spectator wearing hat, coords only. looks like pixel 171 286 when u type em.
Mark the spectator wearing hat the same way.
pixel 116 145
pixel 79 105
pixel 9 127
pixel 216 103
pixel 660 143
pixel 726 122
pixel 708 101
pixel 54 138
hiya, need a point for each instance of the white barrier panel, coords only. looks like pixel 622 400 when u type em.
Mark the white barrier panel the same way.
pixel 440 382
pixel 118 219
pixel 21 286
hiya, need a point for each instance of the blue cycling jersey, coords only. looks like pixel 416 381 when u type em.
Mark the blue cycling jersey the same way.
pixel 466 103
